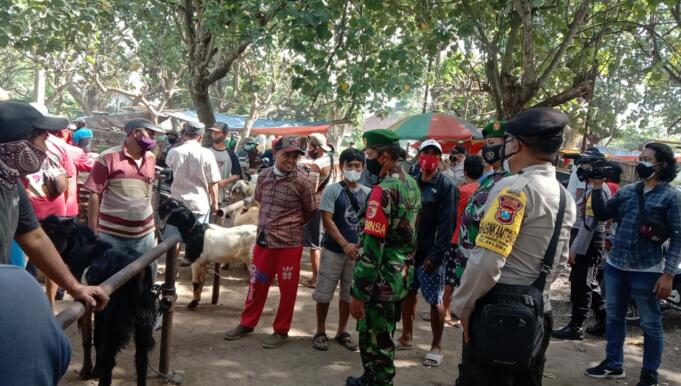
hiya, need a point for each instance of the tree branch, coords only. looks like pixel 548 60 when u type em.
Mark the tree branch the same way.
pixel 524 9
pixel 582 89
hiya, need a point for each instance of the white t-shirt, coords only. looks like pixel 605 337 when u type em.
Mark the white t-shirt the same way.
pixel 225 166
pixel 194 169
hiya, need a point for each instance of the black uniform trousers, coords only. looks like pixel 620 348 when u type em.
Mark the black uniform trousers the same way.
pixel 473 374
pixel 585 293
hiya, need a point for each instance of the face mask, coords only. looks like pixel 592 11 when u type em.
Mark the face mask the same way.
pixel 352 175
pixel 248 147
pixel 374 167
pixel 172 140
pixel 645 170
pixel 18 158
pixel 505 157
pixel 146 143
pixel 429 162
pixel 220 139
pixel 491 153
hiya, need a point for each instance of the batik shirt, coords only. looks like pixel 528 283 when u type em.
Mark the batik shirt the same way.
pixel 472 214
pixel 384 271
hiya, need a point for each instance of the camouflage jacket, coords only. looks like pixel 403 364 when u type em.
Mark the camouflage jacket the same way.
pixel 383 271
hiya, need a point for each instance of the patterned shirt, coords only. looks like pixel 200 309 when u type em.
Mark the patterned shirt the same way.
pixel 286 203
pixel 630 252
pixel 470 219
pixel 384 271
pixel 125 209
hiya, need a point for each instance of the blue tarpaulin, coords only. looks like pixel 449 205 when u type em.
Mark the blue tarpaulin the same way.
pixel 238 121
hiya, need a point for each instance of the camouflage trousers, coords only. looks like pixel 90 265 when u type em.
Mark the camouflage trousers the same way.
pixel 376 341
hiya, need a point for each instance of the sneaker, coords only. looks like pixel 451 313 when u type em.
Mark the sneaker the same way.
pixel 648 378
pixel 603 370
pixel 597 329
pixel 354 381
pixel 237 332
pixel 275 340
pixel 568 332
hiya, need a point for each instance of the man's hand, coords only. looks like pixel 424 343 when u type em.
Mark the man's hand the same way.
pixel 351 250
pixel 357 308
pixel 465 324
pixel 214 207
pixel 596 183
pixel 428 266
pixel 571 258
pixel 92 296
pixel 663 287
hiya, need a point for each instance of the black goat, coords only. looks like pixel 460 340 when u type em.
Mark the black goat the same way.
pixel 131 309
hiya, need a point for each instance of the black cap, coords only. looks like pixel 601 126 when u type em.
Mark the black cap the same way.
pixel 18 119
pixel 458 149
pixel 220 127
pixel 537 122
pixel 194 128
pixel 140 123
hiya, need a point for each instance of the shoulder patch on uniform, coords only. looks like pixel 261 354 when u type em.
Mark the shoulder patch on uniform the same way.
pixel 376 223
pixel 501 222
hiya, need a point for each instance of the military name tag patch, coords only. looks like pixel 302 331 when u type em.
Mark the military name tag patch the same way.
pixel 501 222
pixel 376 223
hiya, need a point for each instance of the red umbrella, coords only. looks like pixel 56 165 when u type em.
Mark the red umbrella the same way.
pixel 438 126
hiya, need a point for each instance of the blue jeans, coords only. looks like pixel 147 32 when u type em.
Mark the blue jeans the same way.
pixel 620 287
pixel 141 245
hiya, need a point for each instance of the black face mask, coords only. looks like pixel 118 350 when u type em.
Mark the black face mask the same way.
pixel 172 140
pixel 491 153
pixel 373 166
pixel 645 170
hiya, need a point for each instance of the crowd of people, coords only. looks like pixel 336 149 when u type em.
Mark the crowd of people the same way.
pixel 481 236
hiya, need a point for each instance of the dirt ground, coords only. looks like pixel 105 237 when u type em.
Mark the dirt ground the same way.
pixel 200 355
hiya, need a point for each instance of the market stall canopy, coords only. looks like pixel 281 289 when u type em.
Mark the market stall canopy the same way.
pixel 262 126
pixel 438 126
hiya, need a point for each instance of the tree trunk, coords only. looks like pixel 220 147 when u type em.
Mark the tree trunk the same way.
pixel 204 111
pixel 39 86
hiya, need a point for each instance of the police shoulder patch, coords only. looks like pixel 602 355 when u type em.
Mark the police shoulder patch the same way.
pixel 501 222
pixel 376 223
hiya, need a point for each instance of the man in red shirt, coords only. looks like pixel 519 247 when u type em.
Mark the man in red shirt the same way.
pixel 286 196
pixel 473 168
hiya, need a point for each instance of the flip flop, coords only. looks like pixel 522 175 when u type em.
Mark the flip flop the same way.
pixel 309 283
pixel 346 341
pixel 399 346
pixel 320 342
pixel 433 359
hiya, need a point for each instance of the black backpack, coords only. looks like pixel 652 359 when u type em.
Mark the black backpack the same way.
pixel 507 325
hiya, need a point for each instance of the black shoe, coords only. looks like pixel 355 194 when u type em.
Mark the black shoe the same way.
pixel 568 332
pixel 603 370
pixel 352 381
pixel 648 378
pixel 597 329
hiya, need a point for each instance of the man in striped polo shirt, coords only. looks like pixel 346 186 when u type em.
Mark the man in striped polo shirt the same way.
pixel 120 209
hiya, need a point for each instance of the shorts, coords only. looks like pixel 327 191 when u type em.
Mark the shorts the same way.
pixel 454 263
pixel 312 231
pixel 171 230
pixel 332 268
pixel 430 284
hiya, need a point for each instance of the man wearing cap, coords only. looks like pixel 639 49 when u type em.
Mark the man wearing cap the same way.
pixel 320 162
pixel 286 197
pixel 472 213
pixel 383 273
pixel 455 165
pixel 35 350
pixel 120 209
pixel 82 137
pixel 436 225
pixel 219 132
pixel 523 239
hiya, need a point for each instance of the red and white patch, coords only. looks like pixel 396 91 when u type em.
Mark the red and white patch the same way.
pixel 508 207
pixel 376 223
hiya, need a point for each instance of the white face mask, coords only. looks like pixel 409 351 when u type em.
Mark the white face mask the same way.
pixel 506 166
pixel 352 175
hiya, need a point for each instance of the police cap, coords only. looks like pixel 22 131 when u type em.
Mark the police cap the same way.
pixel 537 122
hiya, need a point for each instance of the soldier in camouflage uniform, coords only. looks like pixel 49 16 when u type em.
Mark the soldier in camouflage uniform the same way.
pixel 383 274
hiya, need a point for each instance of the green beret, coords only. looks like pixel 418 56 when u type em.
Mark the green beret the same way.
pixel 494 129
pixel 380 137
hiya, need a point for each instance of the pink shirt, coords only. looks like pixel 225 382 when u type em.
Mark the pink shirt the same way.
pixel 82 162
pixel 43 206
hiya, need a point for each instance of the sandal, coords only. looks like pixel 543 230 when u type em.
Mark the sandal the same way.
pixel 309 283
pixel 320 341
pixel 433 359
pixel 399 346
pixel 346 341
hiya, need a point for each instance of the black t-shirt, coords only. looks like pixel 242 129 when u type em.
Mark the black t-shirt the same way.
pixel 16 218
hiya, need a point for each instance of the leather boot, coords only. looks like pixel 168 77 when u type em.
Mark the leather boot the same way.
pixel 597 329
pixel 569 332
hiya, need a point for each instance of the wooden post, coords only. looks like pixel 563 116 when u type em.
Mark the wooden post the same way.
pixel 168 304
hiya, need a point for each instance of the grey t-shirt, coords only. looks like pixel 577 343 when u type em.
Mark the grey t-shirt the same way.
pixel 334 201
pixel 225 166
pixel 16 218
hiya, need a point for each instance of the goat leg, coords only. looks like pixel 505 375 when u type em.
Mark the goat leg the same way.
pixel 144 343
pixel 85 326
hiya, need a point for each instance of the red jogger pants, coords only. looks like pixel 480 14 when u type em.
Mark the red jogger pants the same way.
pixel 285 263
